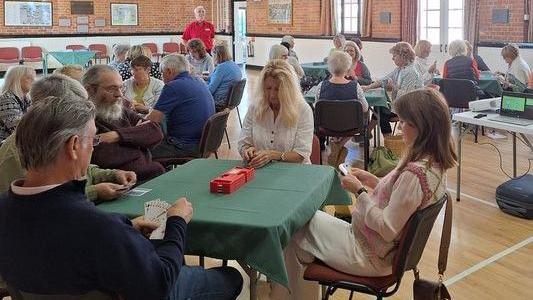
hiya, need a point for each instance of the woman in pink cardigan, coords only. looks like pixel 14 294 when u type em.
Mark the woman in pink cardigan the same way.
pixel 367 246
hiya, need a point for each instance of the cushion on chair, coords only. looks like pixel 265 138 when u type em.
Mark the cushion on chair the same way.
pixel 318 271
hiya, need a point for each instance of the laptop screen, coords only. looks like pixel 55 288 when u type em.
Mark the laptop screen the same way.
pixel 517 105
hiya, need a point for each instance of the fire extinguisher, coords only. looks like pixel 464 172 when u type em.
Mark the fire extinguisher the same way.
pixel 250 48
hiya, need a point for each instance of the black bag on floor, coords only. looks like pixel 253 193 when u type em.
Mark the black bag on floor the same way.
pixel 515 197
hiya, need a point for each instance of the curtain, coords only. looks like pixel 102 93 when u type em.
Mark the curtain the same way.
pixel 327 17
pixel 530 23
pixel 409 21
pixel 471 23
pixel 367 18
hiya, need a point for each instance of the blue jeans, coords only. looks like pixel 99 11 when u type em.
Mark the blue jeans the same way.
pixel 197 283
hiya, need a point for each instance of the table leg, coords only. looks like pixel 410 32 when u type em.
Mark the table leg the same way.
pixel 254 278
pixel 514 154
pixel 526 140
pixel 459 137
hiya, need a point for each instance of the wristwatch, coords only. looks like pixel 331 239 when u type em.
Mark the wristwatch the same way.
pixel 360 191
pixel 282 156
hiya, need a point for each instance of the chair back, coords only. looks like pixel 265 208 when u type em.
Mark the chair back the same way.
pixel 183 48
pixel 213 133
pixel 339 117
pixel 171 48
pixel 75 47
pixel 30 53
pixel 315 151
pixel 235 94
pixel 458 92
pixel 415 236
pixel 101 49
pixel 9 55
pixel 152 47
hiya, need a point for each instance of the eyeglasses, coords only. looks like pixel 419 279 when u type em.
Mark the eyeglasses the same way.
pixel 96 139
pixel 113 89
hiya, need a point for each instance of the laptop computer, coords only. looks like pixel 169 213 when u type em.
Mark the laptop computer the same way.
pixel 516 108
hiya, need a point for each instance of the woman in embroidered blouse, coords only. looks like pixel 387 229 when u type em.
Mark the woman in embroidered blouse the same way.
pixel 198 57
pixel 367 246
pixel 14 100
pixel 279 125
pixel 142 89
pixel 359 71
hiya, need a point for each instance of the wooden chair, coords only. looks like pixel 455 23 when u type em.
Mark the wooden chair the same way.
pixel 412 243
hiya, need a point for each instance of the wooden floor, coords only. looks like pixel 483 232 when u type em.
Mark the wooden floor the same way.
pixel 491 253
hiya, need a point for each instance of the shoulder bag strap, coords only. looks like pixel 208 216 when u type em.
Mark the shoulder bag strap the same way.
pixel 445 237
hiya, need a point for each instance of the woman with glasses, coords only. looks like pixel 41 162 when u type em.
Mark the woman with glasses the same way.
pixel 225 74
pixel 142 89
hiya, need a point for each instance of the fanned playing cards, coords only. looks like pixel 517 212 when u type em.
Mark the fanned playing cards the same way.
pixel 156 211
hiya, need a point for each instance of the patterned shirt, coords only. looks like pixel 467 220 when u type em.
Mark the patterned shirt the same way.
pixel 406 79
pixel 12 108
pixel 124 69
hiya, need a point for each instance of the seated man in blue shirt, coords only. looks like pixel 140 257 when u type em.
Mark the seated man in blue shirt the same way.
pixel 186 104
pixel 54 242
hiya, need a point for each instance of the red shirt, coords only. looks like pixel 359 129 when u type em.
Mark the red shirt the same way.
pixel 200 30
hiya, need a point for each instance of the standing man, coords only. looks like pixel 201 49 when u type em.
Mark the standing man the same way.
pixel 200 29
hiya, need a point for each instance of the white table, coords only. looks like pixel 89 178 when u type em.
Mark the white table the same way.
pixel 468 118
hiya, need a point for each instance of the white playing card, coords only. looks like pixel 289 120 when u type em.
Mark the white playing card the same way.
pixel 156 211
pixel 137 192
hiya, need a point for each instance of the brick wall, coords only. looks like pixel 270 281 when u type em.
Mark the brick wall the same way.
pixel 305 18
pixel 509 32
pixel 381 30
pixel 153 16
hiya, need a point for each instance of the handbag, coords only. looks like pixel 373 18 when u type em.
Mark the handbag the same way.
pixel 431 290
pixel 382 161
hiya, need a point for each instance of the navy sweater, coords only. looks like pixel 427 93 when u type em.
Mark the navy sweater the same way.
pixel 57 242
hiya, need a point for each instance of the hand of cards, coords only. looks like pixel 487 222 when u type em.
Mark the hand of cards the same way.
pixel 156 211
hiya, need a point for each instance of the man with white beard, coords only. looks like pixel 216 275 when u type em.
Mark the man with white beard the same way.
pixel 125 138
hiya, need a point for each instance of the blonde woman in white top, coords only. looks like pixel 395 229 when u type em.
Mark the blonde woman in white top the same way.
pixel 279 125
pixel 517 73
pixel 142 90
pixel 281 52
pixel 426 69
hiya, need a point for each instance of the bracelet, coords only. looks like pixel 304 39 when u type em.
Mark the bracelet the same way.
pixel 282 156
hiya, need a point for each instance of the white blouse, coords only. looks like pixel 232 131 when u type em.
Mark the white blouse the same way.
pixel 270 134
pixel 519 69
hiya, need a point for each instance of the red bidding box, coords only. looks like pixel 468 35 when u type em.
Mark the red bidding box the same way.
pixel 231 180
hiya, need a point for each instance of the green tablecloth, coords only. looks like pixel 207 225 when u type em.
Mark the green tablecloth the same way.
pixel 317 70
pixel 375 98
pixel 487 82
pixel 253 224
pixel 69 58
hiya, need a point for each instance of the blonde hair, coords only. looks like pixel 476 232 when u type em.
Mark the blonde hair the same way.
pixel 421 45
pixel 357 49
pixel 289 93
pixel 221 52
pixel 12 80
pixel 138 50
pixel 403 50
pixel 71 71
pixel 427 111
pixel 510 51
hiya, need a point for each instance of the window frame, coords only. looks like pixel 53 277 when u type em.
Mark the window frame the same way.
pixel 444 26
pixel 359 16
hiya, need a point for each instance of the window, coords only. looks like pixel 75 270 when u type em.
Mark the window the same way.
pixel 441 21
pixel 349 16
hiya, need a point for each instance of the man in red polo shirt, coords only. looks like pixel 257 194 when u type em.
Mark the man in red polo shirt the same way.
pixel 200 29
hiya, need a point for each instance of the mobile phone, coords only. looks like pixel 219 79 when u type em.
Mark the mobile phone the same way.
pixel 343 168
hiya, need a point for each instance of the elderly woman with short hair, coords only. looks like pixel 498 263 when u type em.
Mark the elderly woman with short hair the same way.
pixel 14 99
pixel 426 70
pixel 198 57
pixel 124 68
pixel 403 79
pixel 281 52
pixel 225 74
pixel 339 41
pixel 119 55
pixel 142 89
pixel 516 76
pixel 358 71
pixel 481 65
pixel 289 40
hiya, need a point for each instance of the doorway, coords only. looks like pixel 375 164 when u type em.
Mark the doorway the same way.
pixel 239 35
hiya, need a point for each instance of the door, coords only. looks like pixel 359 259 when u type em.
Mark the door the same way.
pixel 440 22
pixel 239 24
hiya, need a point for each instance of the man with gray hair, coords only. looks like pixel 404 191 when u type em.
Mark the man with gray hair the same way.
pixel 119 55
pixel 59 244
pixel 186 104
pixel 102 184
pixel 200 29
pixel 125 138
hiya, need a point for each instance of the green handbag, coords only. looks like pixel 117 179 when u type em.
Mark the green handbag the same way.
pixel 382 161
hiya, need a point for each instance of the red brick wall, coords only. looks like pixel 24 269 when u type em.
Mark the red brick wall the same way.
pixel 509 32
pixel 154 16
pixel 382 30
pixel 305 18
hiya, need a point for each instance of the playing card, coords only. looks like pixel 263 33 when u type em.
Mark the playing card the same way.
pixel 156 211
pixel 137 192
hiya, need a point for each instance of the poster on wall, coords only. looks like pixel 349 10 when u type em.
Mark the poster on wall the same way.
pixel 123 14
pixel 27 13
pixel 280 11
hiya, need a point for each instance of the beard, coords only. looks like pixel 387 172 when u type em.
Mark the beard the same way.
pixel 109 112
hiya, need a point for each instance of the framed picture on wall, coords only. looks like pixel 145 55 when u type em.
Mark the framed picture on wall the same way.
pixel 27 13
pixel 124 14
pixel 280 11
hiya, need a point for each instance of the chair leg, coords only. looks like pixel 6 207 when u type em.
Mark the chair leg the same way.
pixel 475 133
pixel 351 295
pixel 227 138
pixel 216 155
pixel 483 130
pixel 238 115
